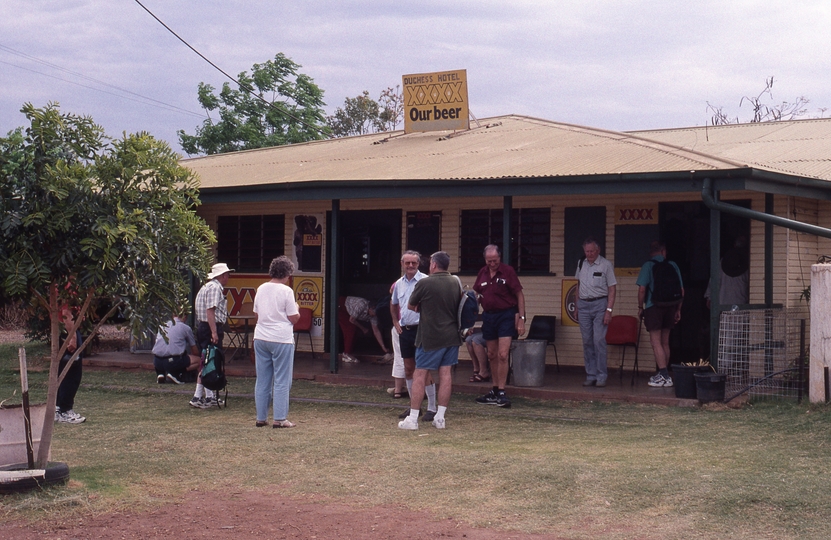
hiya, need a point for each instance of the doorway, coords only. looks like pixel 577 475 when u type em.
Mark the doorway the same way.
pixel 685 230
pixel 369 244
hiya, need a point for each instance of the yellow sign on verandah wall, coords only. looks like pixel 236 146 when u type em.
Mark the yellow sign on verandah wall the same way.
pixel 309 294
pixel 568 307
pixel 308 291
pixel 436 101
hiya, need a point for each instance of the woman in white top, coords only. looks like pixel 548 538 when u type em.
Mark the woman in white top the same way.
pixel 276 312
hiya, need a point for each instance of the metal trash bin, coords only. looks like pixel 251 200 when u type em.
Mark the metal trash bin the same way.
pixel 528 362
pixel 143 343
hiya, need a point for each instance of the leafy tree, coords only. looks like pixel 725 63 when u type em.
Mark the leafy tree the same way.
pixel 763 112
pixel 358 116
pixel 83 218
pixel 273 106
pixel 362 114
pixel 391 103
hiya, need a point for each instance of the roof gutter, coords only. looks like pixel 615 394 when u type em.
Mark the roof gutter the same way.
pixel 663 182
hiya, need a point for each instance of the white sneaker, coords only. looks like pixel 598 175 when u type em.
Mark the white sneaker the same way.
pixel 160 379
pixel 408 423
pixel 348 358
pixel 75 416
pixel 213 402
pixel 438 423
pixel 659 380
pixel 69 417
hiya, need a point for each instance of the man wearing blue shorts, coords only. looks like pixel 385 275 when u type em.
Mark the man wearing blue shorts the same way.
pixel 503 319
pixel 405 327
pixel 436 298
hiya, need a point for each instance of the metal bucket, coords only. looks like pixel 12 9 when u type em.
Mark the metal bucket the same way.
pixel 528 362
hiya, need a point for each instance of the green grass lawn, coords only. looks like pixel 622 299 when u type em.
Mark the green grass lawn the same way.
pixel 581 470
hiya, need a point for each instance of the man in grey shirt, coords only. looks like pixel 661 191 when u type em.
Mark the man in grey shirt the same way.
pixel 170 353
pixel 595 300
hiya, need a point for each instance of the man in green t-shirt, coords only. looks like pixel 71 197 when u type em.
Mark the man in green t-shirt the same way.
pixel 436 298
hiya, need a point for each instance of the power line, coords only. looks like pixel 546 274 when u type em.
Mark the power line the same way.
pixel 245 88
pixel 146 99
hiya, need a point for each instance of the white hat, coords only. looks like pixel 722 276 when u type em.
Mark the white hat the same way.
pixel 218 269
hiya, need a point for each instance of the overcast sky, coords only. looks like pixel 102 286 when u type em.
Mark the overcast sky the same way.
pixel 612 64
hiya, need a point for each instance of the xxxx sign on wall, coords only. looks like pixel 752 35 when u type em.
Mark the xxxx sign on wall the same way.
pixel 309 294
pixel 435 101
pixel 643 214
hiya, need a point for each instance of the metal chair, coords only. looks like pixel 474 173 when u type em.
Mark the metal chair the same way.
pixel 543 327
pixel 304 326
pixel 238 329
pixel 625 331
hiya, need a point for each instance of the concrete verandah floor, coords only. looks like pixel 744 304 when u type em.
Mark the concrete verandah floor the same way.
pixel 563 385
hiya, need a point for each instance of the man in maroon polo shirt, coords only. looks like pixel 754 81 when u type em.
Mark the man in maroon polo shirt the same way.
pixel 503 319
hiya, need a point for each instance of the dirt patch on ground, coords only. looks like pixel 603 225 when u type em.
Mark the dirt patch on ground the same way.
pixel 255 514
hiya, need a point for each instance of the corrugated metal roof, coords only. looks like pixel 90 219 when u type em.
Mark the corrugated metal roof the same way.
pixel 797 147
pixel 502 147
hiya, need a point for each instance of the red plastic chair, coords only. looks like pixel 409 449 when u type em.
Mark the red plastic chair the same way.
pixel 625 331
pixel 304 326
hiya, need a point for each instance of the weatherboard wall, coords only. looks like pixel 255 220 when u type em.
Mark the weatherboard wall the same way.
pixel 793 252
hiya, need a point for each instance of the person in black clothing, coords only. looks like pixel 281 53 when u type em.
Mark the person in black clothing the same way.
pixel 65 402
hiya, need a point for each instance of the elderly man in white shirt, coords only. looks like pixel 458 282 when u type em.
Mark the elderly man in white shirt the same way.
pixel 595 299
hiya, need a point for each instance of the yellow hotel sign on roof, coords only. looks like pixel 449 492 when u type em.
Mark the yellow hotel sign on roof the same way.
pixel 435 101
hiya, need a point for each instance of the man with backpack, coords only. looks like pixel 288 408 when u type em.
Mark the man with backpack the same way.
pixel 211 309
pixel 660 295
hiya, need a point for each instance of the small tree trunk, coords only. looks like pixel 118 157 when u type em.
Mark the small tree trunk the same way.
pixel 27 416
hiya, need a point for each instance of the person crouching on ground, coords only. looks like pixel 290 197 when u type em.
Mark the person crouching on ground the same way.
pixel 170 355
pixel 354 312
pixel 277 311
